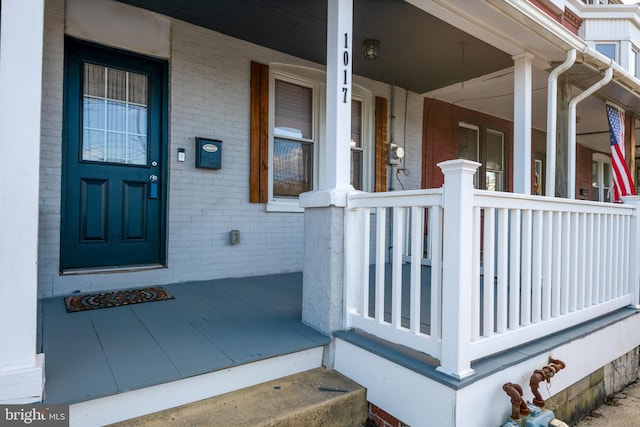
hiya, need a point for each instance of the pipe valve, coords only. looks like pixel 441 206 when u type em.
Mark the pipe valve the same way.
pixel 544 374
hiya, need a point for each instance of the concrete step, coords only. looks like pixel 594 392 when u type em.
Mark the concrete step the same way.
pixel 318 397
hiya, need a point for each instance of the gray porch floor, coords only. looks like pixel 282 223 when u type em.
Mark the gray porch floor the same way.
pixel 210 325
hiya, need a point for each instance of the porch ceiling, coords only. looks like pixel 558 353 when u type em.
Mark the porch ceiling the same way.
pixel 418 51
pixel 493 94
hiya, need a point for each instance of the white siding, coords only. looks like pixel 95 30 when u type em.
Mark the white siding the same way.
pixel 624 32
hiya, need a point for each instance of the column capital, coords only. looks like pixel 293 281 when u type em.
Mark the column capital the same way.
pixel 459 165
pixel 523 55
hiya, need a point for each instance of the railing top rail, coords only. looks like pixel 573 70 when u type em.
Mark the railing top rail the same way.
pixel 493 199
pixel 485 198
pixel 424 197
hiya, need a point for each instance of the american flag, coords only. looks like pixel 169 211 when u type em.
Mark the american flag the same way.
pixel 622 182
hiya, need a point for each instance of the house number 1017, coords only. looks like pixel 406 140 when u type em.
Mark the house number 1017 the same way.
pixel 345 61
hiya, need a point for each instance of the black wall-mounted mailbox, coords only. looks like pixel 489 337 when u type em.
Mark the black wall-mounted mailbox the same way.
pixel 208 153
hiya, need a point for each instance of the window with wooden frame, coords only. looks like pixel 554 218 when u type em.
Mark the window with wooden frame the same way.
pixel 485 146
pixel 287 112
pixel 294 138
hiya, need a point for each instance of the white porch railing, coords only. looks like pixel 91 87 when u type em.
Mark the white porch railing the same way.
pixel 504 268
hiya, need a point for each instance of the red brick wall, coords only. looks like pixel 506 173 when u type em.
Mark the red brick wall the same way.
pixel 440 138
pixel 440 143
pixel 584 158
pixel 380 418
pixel 437 141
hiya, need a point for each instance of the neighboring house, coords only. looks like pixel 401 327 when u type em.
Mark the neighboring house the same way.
pixel 104 100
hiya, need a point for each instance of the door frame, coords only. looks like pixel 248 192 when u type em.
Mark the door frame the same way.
pixel 78 46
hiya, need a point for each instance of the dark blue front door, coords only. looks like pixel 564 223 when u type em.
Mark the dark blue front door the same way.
pixel 114 155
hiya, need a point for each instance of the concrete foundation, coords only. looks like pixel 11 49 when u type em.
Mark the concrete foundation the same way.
pixel 578 400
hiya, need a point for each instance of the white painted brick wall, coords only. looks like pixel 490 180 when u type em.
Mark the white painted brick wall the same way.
pixel 51 147
pixel 209 97
pixel 408 108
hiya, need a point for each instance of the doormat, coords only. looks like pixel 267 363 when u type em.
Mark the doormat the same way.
pixel 115 299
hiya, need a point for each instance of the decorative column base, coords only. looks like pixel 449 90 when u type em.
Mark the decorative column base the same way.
pixel 22 385
pixel 323 271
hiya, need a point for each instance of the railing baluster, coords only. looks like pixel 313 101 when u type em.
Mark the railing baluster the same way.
pixel 435 231
pixel 589 264
pixel 476 246
pixel 396 267
pixel 609 260
pixel 488 253
pixel 582 260
pixel 599 258
pixel 572 297
pixel 503 279
pixel 536 283
pixel 626 244
pixel 515 261
pixel 416 267
pixel 381 220
pixel 562 287
pixel 552 289
pixel 527 250
pixel 406 233
pixel 366 256
pixel 616 267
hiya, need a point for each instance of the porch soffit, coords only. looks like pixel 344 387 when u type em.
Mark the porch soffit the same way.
pixel 419 51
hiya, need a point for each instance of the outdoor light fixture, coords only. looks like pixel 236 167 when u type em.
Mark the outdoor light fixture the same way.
pixel 371 48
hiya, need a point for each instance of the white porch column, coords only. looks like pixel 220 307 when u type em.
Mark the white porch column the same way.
pixel 21 49
pixel 522 101
pixel 335 156
pixel 457 275
pixel 323 284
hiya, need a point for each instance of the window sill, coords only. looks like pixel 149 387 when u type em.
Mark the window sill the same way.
pixel 292 206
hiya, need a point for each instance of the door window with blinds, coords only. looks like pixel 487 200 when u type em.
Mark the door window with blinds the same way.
pixel 114 116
